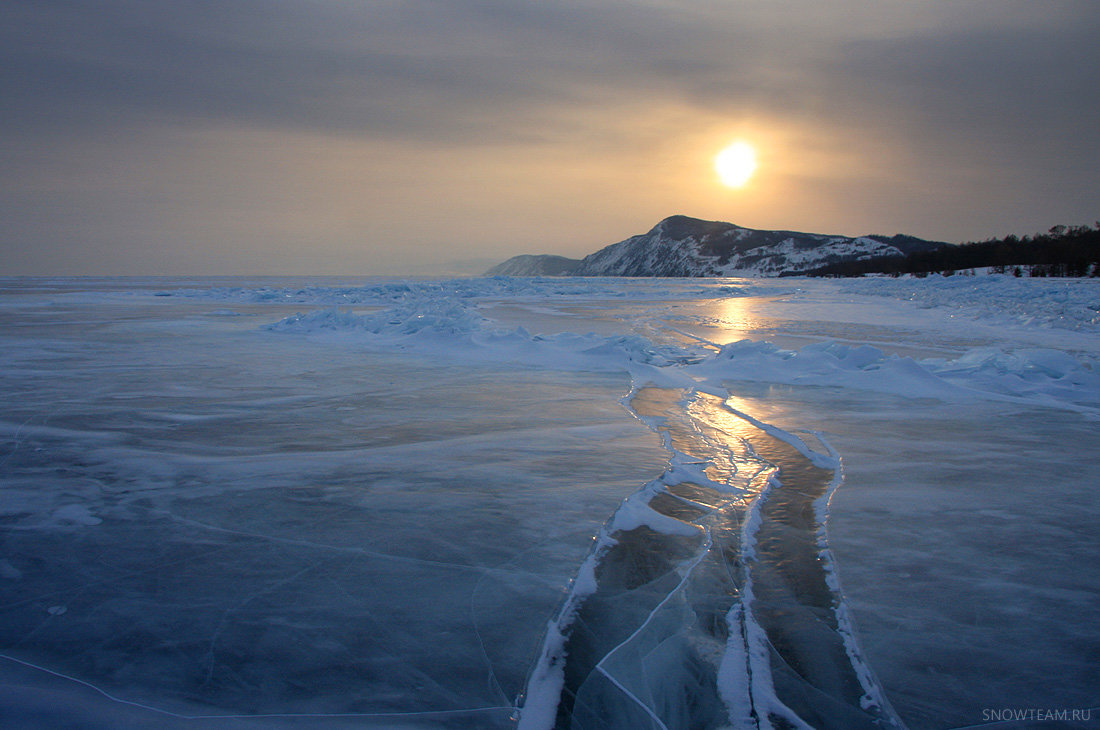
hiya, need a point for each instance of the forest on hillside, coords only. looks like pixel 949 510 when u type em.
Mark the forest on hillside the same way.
pixel 1061 251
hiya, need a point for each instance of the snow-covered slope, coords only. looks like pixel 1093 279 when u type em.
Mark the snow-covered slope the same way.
pixel 535 265
pixel 683 246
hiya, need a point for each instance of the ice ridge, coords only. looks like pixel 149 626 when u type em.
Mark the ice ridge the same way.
pixel 687 610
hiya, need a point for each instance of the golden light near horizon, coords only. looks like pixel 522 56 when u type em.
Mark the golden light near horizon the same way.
pixel 736 164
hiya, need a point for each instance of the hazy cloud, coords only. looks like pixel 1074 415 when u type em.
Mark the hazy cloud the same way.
pixel 118 116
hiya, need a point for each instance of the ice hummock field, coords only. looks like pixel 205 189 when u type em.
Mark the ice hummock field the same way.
pixel 572 503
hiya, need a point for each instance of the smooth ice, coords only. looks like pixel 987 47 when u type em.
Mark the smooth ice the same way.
pixel 266 503
pixel 208 519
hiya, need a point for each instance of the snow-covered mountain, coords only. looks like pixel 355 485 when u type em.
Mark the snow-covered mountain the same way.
pixel 535 265
pixel 683 246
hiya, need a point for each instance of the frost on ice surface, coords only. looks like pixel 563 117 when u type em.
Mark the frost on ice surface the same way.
pixel 1060 303
pixel 408 319
pixel 429 503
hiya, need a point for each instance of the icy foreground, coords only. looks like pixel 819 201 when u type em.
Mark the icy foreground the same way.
pixel 553 502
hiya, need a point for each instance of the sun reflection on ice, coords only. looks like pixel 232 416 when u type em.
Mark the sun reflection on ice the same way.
pixel 731 319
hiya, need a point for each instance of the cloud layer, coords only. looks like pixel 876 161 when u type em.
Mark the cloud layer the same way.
pixel 324 136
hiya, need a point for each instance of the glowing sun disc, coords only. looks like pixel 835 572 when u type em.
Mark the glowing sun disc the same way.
pixel 736 164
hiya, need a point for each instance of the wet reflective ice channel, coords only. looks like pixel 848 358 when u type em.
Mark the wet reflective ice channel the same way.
pixel 544 503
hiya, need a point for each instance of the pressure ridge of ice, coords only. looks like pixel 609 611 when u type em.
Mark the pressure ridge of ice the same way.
pixel 1042 375
pixel 705 602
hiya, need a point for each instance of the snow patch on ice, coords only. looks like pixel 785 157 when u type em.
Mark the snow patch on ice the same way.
pixel 635 512
pixel 1039 376
pixel 1057 303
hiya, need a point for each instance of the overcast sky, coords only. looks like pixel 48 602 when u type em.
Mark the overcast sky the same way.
pixel 421 136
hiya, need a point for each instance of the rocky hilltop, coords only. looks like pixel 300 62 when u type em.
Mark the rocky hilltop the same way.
pixel 683 246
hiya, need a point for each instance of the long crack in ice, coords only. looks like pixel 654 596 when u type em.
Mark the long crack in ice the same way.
pixel 710 597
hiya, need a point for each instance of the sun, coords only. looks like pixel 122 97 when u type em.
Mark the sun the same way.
pixel 736 164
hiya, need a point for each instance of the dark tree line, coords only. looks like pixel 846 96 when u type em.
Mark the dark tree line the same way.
pixel 1061 251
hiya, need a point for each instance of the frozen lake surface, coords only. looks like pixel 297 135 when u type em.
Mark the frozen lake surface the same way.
pixel 571 503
